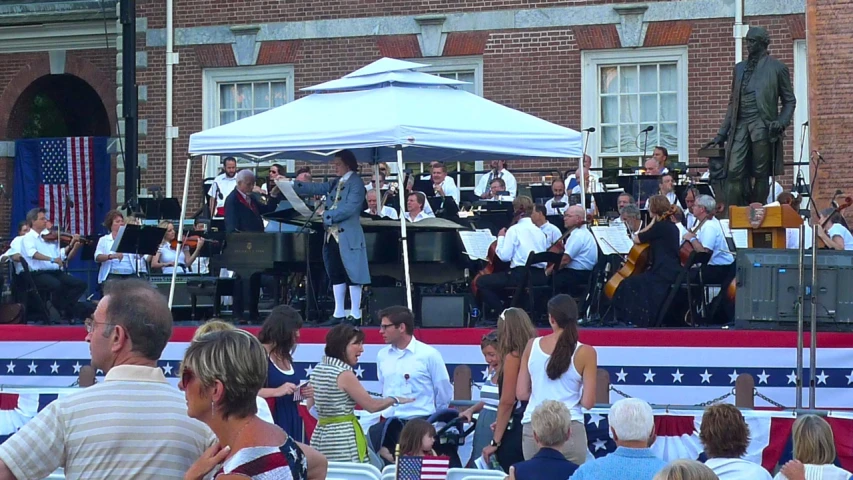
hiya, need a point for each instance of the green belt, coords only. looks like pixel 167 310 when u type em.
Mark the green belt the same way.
pixel 360 439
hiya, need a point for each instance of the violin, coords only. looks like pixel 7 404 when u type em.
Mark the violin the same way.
pixel 64 238
pixel 192 242
pixel 636 263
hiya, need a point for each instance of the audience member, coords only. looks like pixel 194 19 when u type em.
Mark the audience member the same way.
pixel 686 470
pixel 417 439
pixel 725 436
pixel 515 330
pixel 487 408
pixel 559 367
pixel 551 429
pixel 95 433
pixel 221 393
pixel 632 427
pixel 337 391
pixel 280 335
pixel 408 368
pixel 814 451
pixel 833 232
pixel 216 325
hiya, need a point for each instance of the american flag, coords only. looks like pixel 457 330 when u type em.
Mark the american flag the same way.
pixel 66 176
pixel 426 468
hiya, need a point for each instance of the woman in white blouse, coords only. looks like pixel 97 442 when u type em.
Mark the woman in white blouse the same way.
pixel 167 258
pixel 115 263
pixel 814 452
pixel 833 232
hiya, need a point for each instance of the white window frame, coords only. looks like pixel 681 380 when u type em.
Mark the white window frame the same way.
pixel 591 61
pixel 450 65
pixel 212 77
pixel 801 114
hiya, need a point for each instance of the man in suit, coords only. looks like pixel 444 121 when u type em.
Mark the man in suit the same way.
pixel 755 122
pixel 344 251
pixel 242 212
pixel 242 215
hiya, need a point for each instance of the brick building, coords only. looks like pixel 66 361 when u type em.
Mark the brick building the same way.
pixel 610 64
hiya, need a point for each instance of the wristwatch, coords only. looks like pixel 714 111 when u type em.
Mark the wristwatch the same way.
pixel 494 443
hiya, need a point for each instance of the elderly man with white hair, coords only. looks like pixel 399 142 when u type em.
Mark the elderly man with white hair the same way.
pixel 632 426
pixel 242 211
pixel 551 422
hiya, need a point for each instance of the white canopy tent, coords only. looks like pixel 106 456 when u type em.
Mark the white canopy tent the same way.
pixel 381 112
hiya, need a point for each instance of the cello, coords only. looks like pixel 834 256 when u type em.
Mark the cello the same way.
pixel 493 263
pixel 637 261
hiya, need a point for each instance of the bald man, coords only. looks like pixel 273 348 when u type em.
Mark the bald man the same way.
pixel 580 254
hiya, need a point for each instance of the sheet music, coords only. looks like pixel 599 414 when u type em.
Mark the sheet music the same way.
pixel 739 235
pixel 477 243
pixel 286 187
pixel 613 239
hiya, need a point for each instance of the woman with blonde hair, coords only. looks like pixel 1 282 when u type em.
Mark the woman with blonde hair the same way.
pixel 515 330
pixel 814 452
pixel 686 470
pixel 168 258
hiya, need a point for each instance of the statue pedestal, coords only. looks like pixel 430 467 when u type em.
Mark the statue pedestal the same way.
pixel 716 174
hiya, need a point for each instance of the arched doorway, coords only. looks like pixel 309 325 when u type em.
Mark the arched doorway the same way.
pixel 58 106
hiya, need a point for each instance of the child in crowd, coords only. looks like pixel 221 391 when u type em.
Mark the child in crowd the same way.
pixel 417 438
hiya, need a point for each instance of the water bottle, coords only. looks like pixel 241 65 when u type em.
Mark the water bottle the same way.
pixel 493 463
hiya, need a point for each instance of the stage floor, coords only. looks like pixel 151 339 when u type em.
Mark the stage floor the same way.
pixel 655 364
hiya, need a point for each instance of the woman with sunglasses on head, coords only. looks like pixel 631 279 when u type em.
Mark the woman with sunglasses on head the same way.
pixel 514 331
pixel 221 393
pixel 487 408
pixel 280 335
pixel 337 390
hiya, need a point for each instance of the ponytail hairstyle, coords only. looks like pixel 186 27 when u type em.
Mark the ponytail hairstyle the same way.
pixel 563 309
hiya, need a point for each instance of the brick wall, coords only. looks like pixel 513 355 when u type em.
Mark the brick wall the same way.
pixel 830 51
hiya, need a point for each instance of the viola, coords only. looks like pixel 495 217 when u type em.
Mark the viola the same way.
pixel 636 263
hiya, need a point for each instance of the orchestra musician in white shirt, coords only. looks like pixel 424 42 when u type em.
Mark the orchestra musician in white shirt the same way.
pixel 115 264
pixel 373 207
pixel 442 184
pixel 495 188
pixel 551 231
pixel 499 170
pixel 415 202
pixel 514 245
pixel 666 187
pixel 16 247
pixel 558 189
pixel 222 186
pixel 580 253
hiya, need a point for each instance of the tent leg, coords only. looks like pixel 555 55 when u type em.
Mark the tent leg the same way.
pixel 180 231
pixel 402 196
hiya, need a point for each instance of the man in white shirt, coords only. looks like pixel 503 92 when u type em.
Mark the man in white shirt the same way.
pixel 45 260
pixel 558 189
pixel 415 207
pixel 551 231
pixel 15 248
pixel 499 170
pixel 666 187
pixel 373 207
pixel 222 186
pixel 690 197
pixel 496 187
pixel 407 368
pixel 514 246
pixel 443 185
pixel 580 254
pixel 710 237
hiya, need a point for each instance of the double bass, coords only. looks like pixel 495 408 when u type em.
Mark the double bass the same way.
pixel 636 263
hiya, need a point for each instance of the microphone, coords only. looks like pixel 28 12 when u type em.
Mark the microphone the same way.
pixel 806 123
pixel 590 130
pixel 648 129
pixel 556 205
pixel 819 156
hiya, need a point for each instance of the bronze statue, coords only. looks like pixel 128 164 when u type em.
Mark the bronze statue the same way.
pixel 754 124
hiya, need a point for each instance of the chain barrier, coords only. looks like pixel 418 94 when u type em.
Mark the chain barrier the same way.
pixel 717 400
pixel 620 392
pixel 768 399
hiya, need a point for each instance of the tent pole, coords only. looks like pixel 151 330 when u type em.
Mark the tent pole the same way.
pixel 180 246
pixel 403 228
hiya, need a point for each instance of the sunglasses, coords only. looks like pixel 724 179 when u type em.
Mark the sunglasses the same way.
pixel 491 336
pixel 187 376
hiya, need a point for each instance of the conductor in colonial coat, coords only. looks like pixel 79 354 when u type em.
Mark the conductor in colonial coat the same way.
pixel 760 107
pixel 344 250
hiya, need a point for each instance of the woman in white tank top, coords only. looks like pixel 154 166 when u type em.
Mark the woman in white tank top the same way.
pixel 559 367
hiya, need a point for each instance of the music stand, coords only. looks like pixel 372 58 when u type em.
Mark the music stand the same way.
pixel 607 202
pixel 424 186
pixel 138 240
pixel 641 187
pixel 541 193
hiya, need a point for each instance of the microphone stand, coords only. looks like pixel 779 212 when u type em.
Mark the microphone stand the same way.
pixel 582 180
pixel 645 144
pixel 309 285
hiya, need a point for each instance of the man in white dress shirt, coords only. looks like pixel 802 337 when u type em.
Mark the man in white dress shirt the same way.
pixel 514 246
pixel 666 187
pixel 499 170
pixel 498 192
pixel 45 260
pixel 15 248
pixel 407 368
pixel 551 231
pixel 443 185
pixel 223 185
pixel 373 207
pixel 710 237
pixel 558 189
pixel 580 254
pixel 415 207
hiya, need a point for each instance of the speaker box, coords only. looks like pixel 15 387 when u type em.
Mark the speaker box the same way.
pixel 383 297
pixel 438 310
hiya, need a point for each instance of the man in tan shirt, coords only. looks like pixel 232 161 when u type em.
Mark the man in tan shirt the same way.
pixel 134 424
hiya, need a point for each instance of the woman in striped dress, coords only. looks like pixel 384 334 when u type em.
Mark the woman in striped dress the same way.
pixel 337 390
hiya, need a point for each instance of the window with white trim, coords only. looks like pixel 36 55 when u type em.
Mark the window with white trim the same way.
pixel 624 92
pixel 466 69
pixel 231 94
